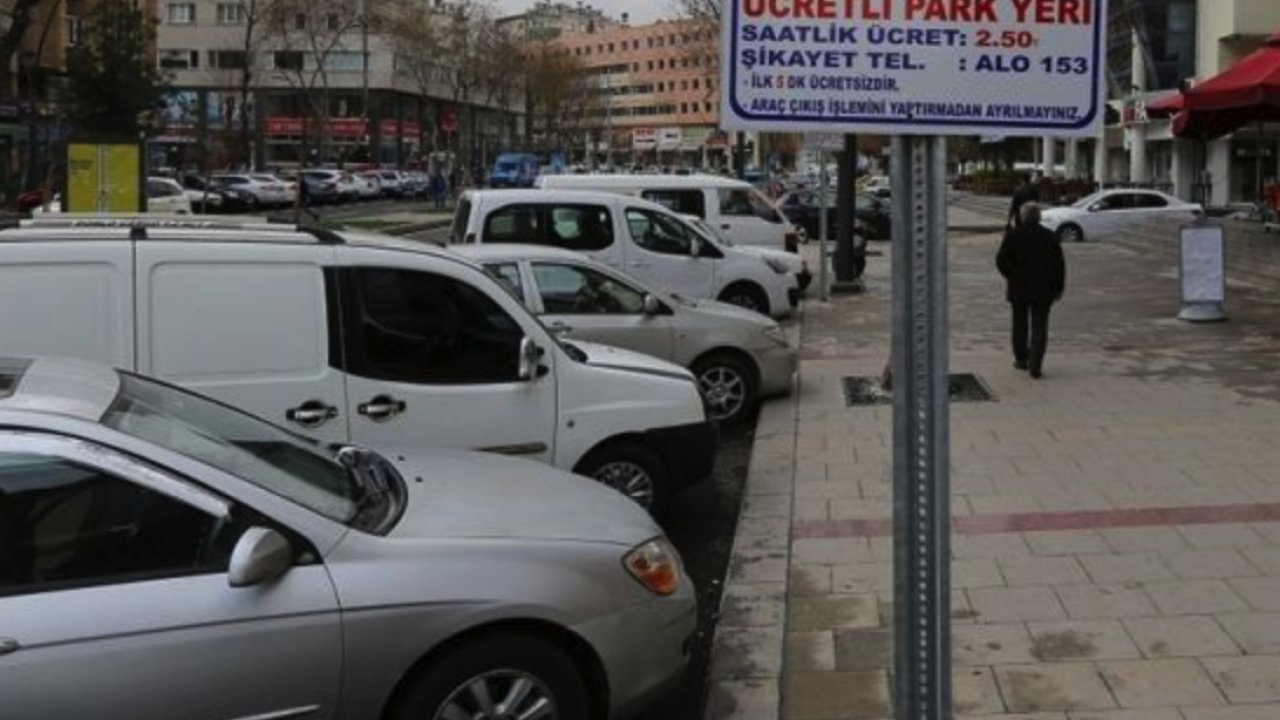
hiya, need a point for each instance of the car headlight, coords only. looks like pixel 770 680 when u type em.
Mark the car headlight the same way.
pixel 776 265
pixel 656 566
pixel 777 334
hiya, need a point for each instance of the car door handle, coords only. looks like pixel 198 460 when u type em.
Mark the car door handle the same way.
pixel 726 227
pixel 382 408
pixel 9 645
pixel 310 414
pixel 639 264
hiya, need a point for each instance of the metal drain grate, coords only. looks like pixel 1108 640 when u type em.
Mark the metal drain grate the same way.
pixel 866 391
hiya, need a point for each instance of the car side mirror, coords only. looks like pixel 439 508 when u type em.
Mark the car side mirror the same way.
pixel 260 556
pixel 695 248
pixel 652 305
pixel 1096 207
pixel 530 356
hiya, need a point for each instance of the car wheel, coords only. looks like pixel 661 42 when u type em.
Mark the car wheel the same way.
pixel 728 385
pixel 1070 234
pixel 746 295
pixel 498 678
pixel 633 470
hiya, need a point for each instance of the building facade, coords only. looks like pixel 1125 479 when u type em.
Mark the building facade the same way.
pixel 548 20
pixel 1157 45
pixel 658 97
pixel 380 106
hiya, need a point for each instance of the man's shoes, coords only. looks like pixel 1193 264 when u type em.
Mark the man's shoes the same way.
pixel 1021 365
pixel 1036 375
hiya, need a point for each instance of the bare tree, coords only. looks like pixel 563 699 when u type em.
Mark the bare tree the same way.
pixel 308 34
pixel 463 49
pixel 20 15
pixel 561 97
pixel 502 66
pixel 417 38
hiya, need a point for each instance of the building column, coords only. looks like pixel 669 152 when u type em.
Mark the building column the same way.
pixel 1184 169
pixel 1073 158
pixel 1218 165
pixel 1049 157
pixel 1101 160
pixel 1138 155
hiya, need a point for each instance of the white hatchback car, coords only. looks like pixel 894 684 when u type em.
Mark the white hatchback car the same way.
pixel 1110 211
pixel 643 239
pixel 166 197
pixel 738 356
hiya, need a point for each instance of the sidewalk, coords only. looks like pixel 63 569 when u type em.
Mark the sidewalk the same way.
pixel 1117 532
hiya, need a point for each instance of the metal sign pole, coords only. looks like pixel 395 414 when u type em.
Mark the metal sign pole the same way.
pixel 921 442
pixel 823 229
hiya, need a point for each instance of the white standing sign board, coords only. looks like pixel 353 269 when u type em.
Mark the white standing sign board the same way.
pixel 918 67
pixel 1204 274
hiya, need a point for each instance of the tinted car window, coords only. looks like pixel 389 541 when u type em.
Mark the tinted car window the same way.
pixel 1121 201
pixel 685 202
pixel 418 327
pixel 658 233
pixel 746 203
pixel 582 228
pixel 515 224
pixel 573 290
pixel 1150 202
pixel 63 525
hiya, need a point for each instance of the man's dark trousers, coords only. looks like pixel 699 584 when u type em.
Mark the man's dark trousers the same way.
pixel 1030 319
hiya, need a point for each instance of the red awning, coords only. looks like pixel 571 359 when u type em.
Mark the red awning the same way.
pixel 1246 93
pixel 1166 107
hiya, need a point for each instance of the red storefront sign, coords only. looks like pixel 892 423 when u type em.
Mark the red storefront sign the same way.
pixel 411 129
pixel 449 121
pixel 296 127
pixel 389 128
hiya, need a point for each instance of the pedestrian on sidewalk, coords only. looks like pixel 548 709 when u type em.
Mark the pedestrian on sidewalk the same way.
pixel 1027 192
pixel 1031 261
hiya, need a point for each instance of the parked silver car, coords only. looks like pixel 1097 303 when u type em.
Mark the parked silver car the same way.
pixel 737 356
pixel 165 556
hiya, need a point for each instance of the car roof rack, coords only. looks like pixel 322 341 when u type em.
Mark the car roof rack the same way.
pixel 138 224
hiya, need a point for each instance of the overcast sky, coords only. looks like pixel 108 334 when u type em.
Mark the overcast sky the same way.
pixel 642 11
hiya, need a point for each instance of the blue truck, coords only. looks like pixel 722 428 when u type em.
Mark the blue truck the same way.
pixel 514 170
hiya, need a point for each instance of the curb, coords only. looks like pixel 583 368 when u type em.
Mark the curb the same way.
pixel 745 669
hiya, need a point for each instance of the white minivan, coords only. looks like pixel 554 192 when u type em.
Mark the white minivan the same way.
pixel 735 208
pixel 350 338
pixel 640 238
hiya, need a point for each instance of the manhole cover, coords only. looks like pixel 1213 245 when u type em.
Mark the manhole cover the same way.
pixel 867 391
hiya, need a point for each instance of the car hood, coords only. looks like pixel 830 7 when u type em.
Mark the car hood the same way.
pixel 1057 216
pixel 454 494
pixel 619 359
pixel 720 313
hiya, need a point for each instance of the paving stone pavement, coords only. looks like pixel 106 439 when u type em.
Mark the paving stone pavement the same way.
pixel 1116 537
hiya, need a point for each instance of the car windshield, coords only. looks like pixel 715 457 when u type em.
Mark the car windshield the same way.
pixel 328 482
pixel 507 166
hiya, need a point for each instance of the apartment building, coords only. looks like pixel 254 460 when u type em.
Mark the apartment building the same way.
pixel 389 110
pixel 658 89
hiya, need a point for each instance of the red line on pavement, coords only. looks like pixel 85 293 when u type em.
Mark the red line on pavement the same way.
pixel 1072 520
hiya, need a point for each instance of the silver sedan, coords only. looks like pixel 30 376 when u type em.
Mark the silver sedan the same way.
pixel 736 355
pixel 165 556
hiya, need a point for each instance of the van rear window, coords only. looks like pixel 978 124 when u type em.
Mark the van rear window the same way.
pixel 10 374
pixel 461 217
pixel 516 224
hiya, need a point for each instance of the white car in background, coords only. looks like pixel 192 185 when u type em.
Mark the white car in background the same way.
pixel 737 356
pixel 367 184
pixel 794 263
pixel 166 197
pixel 258 190
pixel 1111 211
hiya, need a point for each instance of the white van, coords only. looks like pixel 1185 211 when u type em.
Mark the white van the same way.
pixel 350 338
pixel 739 211
pixel 639 238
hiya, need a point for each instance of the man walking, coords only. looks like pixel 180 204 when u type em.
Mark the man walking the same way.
pixel 1031 260
pixel 1027 192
